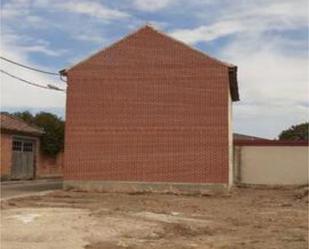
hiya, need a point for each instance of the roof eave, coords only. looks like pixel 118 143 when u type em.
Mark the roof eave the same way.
pixel 233 83
pixel 63 72
pixel 25 133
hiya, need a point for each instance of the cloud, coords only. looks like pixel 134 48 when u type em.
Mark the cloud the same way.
pixel 274 85
pixel 26 44
pixel 30 15
pixel 90 38
pixel 14 8
pixel 208 33
pixel 267 39
pixel 94 9
pixel 267 120
pixel 43 49
pixel 17 8
pixel 18 94
pixel 273 69
pixel 152 5
pixel 251 17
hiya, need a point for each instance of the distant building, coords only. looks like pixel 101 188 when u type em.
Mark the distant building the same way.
pixel 20 151
pixel 149 109
pixel 238 136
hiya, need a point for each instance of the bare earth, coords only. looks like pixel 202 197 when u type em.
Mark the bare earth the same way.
pixel 246 218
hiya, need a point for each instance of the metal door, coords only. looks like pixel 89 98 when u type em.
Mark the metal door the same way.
pixel 22 159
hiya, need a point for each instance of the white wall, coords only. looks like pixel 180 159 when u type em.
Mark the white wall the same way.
pixel 283 165
pixel 230 127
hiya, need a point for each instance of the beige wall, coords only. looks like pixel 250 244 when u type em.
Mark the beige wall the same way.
pixel 283 165
pixel 230 127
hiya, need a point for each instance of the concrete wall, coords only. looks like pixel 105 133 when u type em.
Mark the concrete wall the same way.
pixel 135 187
pixel 271 165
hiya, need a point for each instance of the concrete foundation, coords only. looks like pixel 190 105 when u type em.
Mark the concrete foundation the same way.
pixel 139 187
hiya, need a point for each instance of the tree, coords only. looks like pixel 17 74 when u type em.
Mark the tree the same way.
pixel 26 116
pixel 296 132
pixel 52 141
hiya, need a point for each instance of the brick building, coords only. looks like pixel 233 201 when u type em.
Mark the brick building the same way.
pixel 147 110
pixel 21 158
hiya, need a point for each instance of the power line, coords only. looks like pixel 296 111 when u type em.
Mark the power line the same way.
pixel 62 79
pixel 31 68
pixel 49 87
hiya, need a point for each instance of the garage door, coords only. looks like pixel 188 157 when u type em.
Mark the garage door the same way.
pixel 22 159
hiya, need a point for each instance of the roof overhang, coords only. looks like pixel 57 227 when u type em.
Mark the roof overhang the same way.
pixel 63 72
pixel 21 132
pixel 233 83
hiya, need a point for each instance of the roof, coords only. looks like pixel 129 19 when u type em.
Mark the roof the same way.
pixel 232 68
pixel 14 124
pixel 238 136
pixel 271 143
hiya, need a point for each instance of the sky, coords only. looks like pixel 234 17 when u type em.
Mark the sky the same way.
pixel 266 39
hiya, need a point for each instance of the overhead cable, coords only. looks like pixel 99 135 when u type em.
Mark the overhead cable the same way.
pixel 49 87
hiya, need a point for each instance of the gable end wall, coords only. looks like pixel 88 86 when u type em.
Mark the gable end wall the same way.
pixel 148 110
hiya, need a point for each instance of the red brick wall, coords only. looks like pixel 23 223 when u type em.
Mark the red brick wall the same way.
pixel 46 166
pixel 5 154
pixel 50 166
pixel 148 109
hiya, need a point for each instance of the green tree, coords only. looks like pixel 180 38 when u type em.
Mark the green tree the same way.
pixel 52 141
pixel 26 116
pixel 296 132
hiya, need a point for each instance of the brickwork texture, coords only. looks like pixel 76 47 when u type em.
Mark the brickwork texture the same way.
pixel 50 166
pixel 45 166
pixel 147 109
pixel 5 154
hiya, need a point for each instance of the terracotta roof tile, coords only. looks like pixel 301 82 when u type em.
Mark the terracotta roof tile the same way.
pixel 12 123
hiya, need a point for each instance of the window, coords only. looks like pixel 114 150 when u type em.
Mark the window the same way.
pixel 27 146
pixel 17 145
pixel 22 145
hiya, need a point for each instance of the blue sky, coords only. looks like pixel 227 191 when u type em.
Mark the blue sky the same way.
pixel 266 39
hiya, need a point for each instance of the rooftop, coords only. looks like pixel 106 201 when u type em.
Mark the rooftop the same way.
pixel 14 124
pixel 238 136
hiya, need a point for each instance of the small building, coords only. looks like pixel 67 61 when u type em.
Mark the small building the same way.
pixel 149 112
pixel 21 157
pixel 20 143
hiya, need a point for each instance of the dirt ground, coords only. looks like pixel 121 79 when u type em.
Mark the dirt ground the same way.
pixel 245 218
